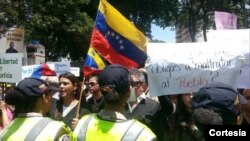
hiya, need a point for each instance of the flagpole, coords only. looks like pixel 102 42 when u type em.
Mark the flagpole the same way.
pixel 80 99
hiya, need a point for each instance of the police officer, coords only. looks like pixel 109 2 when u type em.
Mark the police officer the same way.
pixel 110 123
pixel 32 99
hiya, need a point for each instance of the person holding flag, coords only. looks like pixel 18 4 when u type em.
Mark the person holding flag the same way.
pixel 71 102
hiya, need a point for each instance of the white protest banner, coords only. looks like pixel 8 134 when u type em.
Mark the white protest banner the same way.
pixel 10 67
pixel 241 39
pixel 58 67
pixel 75 71
pixel 28 70
pixel 186 67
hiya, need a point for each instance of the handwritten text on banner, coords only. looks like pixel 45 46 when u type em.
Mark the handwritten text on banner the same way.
pixel 241 39
pixel 186 67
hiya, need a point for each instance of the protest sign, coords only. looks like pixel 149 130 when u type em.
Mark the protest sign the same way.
pixel 15 35
pixel 224 20
pixel 28 70
pixel 186 67
pixel 10 67
pixel 239 39
pixel 58 67
pixel 75 71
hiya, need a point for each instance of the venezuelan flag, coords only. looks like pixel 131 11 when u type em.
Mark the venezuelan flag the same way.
pixel 93 63
pixel 117 39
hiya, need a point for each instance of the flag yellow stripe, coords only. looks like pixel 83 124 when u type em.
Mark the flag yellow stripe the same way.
pixel 122 26
pixel 96 57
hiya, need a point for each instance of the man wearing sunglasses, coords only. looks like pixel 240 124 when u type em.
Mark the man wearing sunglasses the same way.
pixel 110 123
pixel 95 101
pixel 139 106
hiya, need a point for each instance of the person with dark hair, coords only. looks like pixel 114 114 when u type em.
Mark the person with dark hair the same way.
pixel 95 100
pixel 11 48
pixel 32 100
pixel 110 123
pixel 202 116
pixel 178 123
pixel 222 99
pixel 66 108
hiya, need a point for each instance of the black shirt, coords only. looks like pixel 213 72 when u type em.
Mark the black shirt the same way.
pixel 11 50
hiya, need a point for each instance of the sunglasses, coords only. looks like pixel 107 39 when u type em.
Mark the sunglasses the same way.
pixel 92 83
pixel 136 83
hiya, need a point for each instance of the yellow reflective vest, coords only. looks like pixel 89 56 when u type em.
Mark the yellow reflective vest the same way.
pixel 34 129
pixel 93 128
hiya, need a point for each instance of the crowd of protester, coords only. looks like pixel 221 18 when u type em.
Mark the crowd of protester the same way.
pixel 115 105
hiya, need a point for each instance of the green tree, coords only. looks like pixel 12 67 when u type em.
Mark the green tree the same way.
pixel 8 16
pixel 198 15
pixel 62 26
pixel 242 10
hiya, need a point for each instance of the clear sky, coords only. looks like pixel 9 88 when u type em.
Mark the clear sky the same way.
pixel 163 34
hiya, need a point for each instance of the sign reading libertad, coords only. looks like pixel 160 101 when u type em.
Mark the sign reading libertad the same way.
pixel 11 67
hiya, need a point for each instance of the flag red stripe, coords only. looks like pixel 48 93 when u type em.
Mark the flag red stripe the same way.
pixel 87 71
pixel 100 43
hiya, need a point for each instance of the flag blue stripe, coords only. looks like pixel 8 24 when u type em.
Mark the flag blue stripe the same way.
pixel 90 62
pixel 120 44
